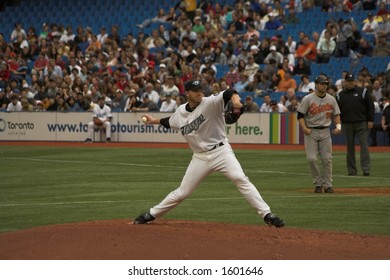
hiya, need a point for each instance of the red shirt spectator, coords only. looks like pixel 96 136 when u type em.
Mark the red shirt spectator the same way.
pixel 307 50
pixel 41 62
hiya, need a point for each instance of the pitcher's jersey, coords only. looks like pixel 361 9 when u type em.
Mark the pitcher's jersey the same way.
pixel 319 111
pixel 101 113
pixel 204 127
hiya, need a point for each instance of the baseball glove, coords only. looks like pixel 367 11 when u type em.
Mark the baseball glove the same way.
pixel 232 114
pixel 97 121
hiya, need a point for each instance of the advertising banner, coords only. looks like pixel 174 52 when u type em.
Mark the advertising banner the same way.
pixel 253 128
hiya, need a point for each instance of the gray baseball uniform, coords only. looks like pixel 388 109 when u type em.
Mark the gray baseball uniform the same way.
pixel 318 114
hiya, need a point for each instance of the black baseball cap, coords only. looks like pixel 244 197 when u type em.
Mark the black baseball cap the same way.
pixel 322 79
pixel 350 77
pixel 193 85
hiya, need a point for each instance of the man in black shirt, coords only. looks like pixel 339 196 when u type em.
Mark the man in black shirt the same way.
pixel 357 116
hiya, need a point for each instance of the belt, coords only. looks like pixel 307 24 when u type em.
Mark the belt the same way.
pixel 318 127
pixel 216 146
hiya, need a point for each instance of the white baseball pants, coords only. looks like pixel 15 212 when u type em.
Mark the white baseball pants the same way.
pixel 221 159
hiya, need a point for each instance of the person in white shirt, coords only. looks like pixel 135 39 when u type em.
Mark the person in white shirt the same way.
pixel 153 95
pixel 168 105
pixel 201 122
pixel 371 25
pixel 325 48
pixel 101 118
pixel 275 55
pixel 14 105
pixel 265 107
pixel 102 36
pixel 276 107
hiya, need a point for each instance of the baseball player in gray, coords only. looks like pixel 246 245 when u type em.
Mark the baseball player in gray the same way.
pixel 201 122
pixel 315 115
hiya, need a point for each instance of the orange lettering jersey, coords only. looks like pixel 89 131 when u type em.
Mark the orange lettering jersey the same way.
pixel 319 111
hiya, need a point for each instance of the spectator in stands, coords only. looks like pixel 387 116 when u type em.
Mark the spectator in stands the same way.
pixel 265 107
pixel 307 51
pixel 232 76
pixel 382 46
pixel 364 49
pixel 168 105
pixel 291 18
pixel 275 55
pixel 289 95
pixel 18 31
pixel 276 107
pixel 291 44
pixel 325 48
pixel 152 94
pixel 73 105
pixel 286 82
pixel 132 102
pixel 302 68
pixel 160 17
pixel 241 85
pixel 169 87
pixel 198 26
pixel 14 105
pixel 250 105
pixel 345 29
pixel 220 57
pixel 62 105
pixel 384 123
pixel 146 106
pixel 251 67
pixel 264 84
pixel 4 100
pixel 305 84
pixel 41 63
pixel 377 91
pixel 118 102
pixel 384 27
pixel 371 25
pixel 294 104
pixel 382 11
pixel 273 23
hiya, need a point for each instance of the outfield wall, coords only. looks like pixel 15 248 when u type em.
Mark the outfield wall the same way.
pixel 254 128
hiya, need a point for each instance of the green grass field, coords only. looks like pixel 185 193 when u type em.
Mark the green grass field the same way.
pixel 55 185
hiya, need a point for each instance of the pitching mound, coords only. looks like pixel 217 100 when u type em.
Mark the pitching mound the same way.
pixel 181 240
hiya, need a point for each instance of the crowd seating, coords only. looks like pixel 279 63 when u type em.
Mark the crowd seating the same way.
pixel 127 14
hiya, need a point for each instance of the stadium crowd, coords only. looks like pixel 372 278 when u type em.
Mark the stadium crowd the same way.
pixel 70 69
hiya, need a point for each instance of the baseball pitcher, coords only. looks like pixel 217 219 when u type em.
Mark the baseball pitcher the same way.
pixel 202 121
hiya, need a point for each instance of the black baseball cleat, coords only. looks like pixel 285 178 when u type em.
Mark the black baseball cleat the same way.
pixel 366 173
pixel 144 218
pixel 329 190
pixel 108 139
pixel 318 189
pixel 88 140
pixel 273 220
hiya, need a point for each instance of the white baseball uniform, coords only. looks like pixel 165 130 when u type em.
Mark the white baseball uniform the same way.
pixel 204 130
pixel 102 114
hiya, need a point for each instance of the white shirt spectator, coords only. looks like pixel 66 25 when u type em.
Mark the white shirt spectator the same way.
pixel 14 107
pixel 370 27
pixel 168 105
